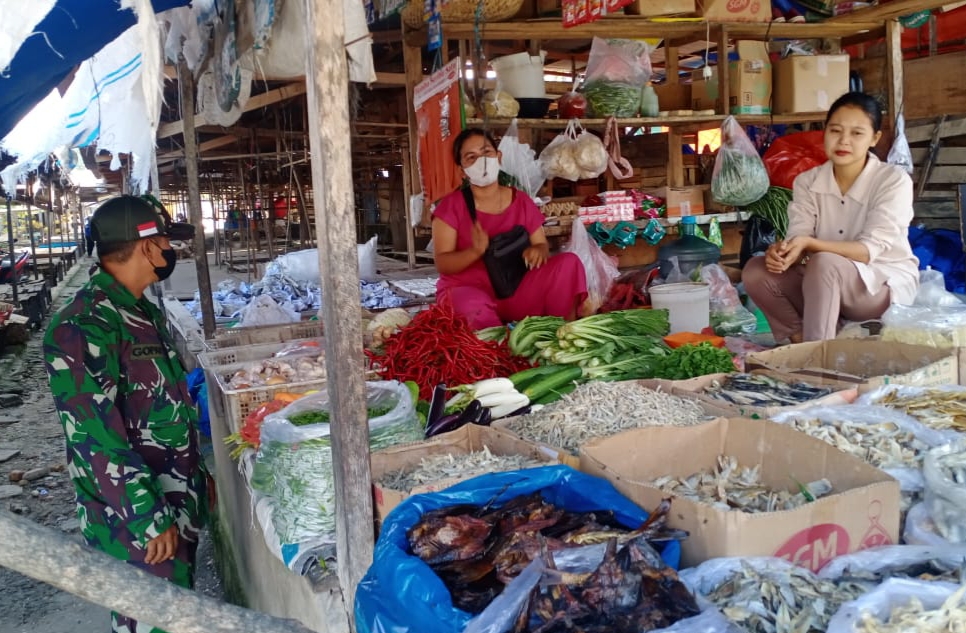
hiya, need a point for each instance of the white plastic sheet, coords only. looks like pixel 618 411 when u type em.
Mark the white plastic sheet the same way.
pixel 19 20
pixel 895 592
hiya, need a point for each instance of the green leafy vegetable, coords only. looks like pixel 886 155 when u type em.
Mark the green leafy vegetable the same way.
pixel 690 361
pixel 773 207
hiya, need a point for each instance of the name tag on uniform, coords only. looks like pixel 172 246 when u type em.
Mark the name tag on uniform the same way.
pixel 147 350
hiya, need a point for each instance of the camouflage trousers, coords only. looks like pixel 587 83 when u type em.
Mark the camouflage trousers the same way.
pixel 180 571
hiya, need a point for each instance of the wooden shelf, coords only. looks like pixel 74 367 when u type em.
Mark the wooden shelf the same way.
pixel 556 230
pixel 676 121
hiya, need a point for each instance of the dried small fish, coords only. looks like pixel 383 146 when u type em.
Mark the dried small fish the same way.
pixel 931 570
pixel 729 486
pixel 914 618
pixel 944 470
pixel 791 601
pixel 883 445
pixel 465 465
pixel 601 409
pixel 937 408
pixel 763 391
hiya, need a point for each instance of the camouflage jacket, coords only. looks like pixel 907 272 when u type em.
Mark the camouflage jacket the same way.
pixel 131 428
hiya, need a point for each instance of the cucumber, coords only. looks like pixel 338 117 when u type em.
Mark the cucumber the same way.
pixel 523 378
pixel 556 394
pixel 556 380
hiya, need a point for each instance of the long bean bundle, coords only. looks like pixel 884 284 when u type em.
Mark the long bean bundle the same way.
pixel 773 207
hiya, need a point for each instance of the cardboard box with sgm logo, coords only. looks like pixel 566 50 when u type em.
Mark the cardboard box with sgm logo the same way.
pixel 861 512
pixel 735 10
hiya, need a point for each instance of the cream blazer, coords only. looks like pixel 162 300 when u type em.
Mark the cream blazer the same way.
pixel 876 211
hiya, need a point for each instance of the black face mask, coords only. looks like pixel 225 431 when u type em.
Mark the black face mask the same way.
pixel 170 257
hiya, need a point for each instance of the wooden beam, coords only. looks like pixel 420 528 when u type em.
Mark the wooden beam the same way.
pixel 946 155
pixel 952 127
pixel 214 143
pixel 894 70
pixel 328 116
pixel 888 11
pixel 931 156
pixel 258 101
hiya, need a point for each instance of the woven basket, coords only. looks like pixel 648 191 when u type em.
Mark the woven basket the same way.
pixel 462 11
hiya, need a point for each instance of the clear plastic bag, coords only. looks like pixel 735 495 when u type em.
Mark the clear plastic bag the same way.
pixel 728 316
pixel 920 529
pixel 520 161
pixel 616 73
pixel 932 291
pixel 263 310
pixel 944 469
pixel 899 154
pixel 598 267
pixel 890 558
pixel 590 155
pixel 893 593
pixel 557 158
pixel 924 325
pixel 739 177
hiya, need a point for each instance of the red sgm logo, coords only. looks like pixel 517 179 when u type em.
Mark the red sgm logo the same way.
pixel 737 6
pixel 813 547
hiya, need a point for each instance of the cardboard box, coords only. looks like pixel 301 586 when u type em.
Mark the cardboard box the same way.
pixel 735 10
pixel 865 363
pixel 749 82
pixel 862 512
pixel 659 7
pixel 809 83
pixel 695 390
pixel 682 201
pixel 673 96
pixel 467 439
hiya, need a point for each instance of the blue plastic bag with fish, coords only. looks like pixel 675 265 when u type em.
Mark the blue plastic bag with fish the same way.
pixel 401 594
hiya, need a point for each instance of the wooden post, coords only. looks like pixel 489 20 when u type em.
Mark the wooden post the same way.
pixel 327 80
pixel 413 65
pixel 49 556
pixel 186 85
pixel 724 72
pixel 894 67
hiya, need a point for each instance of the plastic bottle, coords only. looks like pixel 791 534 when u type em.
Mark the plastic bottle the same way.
pixel 691 251
pixel 649 102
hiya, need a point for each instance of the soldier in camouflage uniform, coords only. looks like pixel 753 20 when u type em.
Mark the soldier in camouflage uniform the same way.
pixel 120 390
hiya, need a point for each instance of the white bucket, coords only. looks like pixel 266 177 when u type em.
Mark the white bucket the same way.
pixel 688 305
pixel 521 74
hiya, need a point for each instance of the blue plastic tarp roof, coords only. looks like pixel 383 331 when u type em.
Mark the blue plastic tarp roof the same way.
pixel 71 33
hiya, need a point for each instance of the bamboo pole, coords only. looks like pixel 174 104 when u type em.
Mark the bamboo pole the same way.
pixel 47 555
pixel 186 84
pixel 328 82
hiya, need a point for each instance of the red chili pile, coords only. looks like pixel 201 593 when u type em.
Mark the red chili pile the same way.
pixel 439 346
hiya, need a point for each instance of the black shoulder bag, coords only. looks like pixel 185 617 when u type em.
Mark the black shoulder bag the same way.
pixel 504 256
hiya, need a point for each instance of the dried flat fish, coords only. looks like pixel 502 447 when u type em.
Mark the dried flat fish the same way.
pixel 729 486
pixel 790 601
pixel 931 570
pixel 464 465
pixel 763 391
pixel 914 618
pixel 937 408
pixel 884 445
pixel 602 409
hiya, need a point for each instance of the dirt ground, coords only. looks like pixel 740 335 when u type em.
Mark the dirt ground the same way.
pixel 33 429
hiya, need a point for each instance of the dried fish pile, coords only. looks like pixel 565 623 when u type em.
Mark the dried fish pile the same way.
pixel 944 470
pixel 914 618
pixel 793 600
pixel 276 371
pixel 729 486
pixel 932 570
pixel 937 408
pixel 758 390
pixel 449 466
pixel 477 551
pixel 884 445
pixel 602 409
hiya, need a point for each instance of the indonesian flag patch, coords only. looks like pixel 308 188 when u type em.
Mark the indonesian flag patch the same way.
pixel 148 228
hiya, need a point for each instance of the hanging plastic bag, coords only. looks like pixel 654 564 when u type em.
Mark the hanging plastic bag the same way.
pixel 620 168
pixel 790 155
pixel 944 469
pixel 366 254
pixel 739 177
pixel 598 267
pixel 616 73
pixel 899 154
pixel 557 158
pixel 892 594
pixel 590 155
pixel 520 161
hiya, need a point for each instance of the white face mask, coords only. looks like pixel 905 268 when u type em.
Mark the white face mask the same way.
pixel 484 171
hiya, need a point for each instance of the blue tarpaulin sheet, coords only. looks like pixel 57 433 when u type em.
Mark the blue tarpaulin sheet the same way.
pixel 71 33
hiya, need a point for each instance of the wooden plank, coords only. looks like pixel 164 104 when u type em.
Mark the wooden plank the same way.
pixel 946 155
pixel 888 11
pixel 952 127
pixel 256 102
pixel 961 201
pixel 894 70
pixel 934 142
pixel 328 115
pixel 932 85
pixel 938 194
pixel 696 122
pixel 951 174
pixel 937 209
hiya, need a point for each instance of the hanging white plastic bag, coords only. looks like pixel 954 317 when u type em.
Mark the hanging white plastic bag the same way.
pixel 590 155
pixel 617 70
pixel 520 161
pixel 890 595
pixel 899 154
pixel 598 267
pixel 263 310
pixel 367 258
pixel 739 177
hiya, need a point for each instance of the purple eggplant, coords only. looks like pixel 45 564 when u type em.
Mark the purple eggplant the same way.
pixel 437 404
pixel 444 424
pixel 485 417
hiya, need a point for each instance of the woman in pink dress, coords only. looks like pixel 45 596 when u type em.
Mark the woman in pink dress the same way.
pixel 552 286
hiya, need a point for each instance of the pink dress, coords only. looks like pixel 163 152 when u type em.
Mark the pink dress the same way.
pixel 555 289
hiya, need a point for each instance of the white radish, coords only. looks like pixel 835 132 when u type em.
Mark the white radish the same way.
pixel 508 407
pixel 491 386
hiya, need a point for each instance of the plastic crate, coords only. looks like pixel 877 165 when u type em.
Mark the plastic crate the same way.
pixel 238 403
pixel 253 353
pixel 243 336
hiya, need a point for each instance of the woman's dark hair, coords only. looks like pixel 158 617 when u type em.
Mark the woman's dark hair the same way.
pixel 468 133
pixel 865 102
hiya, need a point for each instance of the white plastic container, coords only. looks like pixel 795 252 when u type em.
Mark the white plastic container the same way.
pixel 688 305
pixel 521 74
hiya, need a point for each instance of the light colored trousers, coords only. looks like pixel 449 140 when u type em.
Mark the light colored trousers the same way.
pixel 811 298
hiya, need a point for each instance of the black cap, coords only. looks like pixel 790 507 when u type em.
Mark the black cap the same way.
pixel 129 218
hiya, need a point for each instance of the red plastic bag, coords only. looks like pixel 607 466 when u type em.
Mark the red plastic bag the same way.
pixel 792 154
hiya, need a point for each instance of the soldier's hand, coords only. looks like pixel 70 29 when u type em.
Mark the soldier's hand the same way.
pixel 162 547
